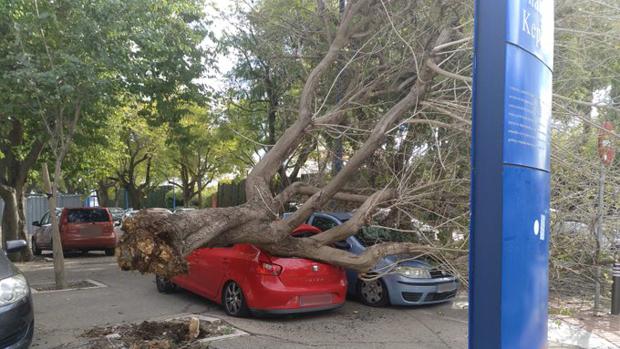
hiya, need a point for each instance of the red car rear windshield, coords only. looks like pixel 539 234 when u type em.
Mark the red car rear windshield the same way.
pixel 88 216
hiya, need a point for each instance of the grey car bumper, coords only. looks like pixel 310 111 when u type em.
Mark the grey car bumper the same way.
pixel 405 291
pixel 17 324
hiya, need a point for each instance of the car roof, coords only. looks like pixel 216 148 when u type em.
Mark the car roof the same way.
pixel 304 228
pixel 342 216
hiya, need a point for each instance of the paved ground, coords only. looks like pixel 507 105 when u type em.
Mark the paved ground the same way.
pixel 131 297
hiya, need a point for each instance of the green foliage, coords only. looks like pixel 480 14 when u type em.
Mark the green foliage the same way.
pixel 271 65
pixel 70 58
pixel 199 151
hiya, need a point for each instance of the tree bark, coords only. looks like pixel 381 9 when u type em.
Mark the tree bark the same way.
pixel 13 175
pixel 22 224
pixel 14 220
pixel 10 217
pixel 52 190
pixel 135 197
pixel 187 198
pixel 102 193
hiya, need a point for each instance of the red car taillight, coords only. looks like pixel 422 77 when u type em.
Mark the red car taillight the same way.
pixel 269 269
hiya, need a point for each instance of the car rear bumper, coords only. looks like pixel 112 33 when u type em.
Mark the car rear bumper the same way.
pixel 17 324
pixel 89 243
pixel 262 312
pixel 267 294
pixel 406 291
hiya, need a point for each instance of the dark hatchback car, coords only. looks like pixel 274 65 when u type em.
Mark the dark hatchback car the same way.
pixel 16 315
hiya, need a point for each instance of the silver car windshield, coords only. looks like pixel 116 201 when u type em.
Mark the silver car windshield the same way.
pixel 371 235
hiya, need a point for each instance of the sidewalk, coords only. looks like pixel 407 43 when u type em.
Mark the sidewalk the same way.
pixel 587 332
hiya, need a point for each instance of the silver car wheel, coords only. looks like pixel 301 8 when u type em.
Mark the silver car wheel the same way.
pixel 233 298
pixel 372 291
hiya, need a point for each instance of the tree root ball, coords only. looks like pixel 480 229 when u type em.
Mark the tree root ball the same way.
pixel 148 245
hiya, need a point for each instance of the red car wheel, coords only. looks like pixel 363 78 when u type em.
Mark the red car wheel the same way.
pixel 164 285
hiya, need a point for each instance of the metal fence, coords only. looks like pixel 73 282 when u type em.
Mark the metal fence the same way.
pixel 231 194
pixel 36 206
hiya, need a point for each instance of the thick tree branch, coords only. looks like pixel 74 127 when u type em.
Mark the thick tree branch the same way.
pixel 257 183
pixel 308 248
pixel 300 188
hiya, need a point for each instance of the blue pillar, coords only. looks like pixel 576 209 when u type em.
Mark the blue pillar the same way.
pixel 513 58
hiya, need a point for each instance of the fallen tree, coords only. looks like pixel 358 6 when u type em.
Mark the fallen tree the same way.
pixel 158 242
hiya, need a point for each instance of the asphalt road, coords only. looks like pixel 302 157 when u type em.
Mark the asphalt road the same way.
pixel 130 297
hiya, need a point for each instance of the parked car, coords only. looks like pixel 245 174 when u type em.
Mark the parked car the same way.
pixel 117 213
pixel 129 213
pixel 245 279
pixel 16 314
pixel 184 209
pixel 413 282
pixel 84 229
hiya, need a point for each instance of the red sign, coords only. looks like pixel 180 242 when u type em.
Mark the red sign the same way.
pixel 606 148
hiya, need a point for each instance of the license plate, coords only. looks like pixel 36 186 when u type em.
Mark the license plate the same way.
pixel 315 299
pixel 446 287
pixel 90 231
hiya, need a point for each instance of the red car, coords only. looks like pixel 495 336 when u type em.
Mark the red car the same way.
pixel 82 229
pixel 245 279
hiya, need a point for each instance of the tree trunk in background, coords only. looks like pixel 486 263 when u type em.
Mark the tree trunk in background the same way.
pixel 117 198
pixel 59 262
pixel 187 197
pixel 103 198
pixel 135 197
pixel 102 194
pixel 22 224
pixel 200 204
pixel 10 217
pixel 14 170
pixel 338 147
pixel 14 220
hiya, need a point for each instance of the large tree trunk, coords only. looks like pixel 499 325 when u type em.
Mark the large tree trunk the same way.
pixel 14 223
pixel 135 197
pixel 187 196
pixel 10 217
pixel 14 170
pixel 158 242
pixel 102 193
